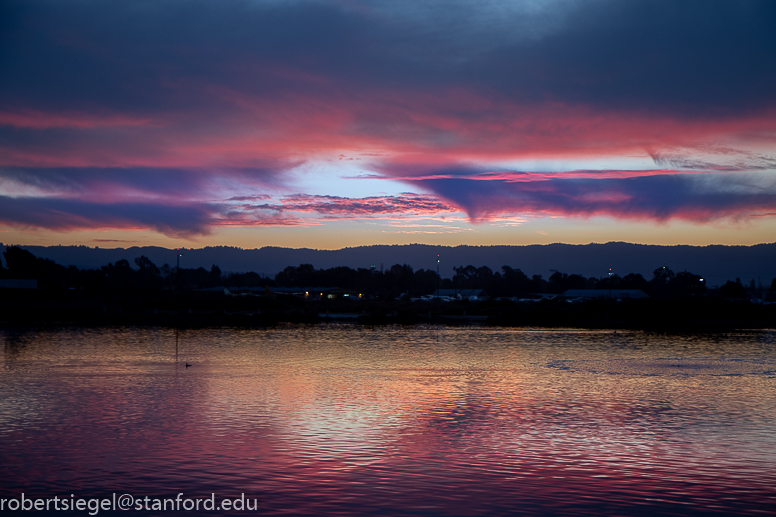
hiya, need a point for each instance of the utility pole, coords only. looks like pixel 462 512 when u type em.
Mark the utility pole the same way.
pixel 439 279
pixel 177 268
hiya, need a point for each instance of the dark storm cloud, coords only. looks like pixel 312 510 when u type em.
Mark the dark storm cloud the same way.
pixel 158 55
pixel 709 57
pixel 705 58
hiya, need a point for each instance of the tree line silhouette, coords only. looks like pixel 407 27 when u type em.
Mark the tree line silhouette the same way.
pixel 396 281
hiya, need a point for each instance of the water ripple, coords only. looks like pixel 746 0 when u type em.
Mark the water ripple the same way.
pixel 346 420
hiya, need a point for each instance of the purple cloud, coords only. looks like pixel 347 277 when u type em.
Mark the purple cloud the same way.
pixel 73 214
pixel 659 197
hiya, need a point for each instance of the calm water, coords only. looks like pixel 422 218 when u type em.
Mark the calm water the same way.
pixel 345 420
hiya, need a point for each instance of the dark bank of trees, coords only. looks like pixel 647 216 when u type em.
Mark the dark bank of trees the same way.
pixel 145 275
pixel 509 282
pixel 394 282
pixel 144 293
pixel 513 282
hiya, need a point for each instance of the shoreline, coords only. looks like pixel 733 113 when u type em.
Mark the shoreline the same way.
pixel 200 320
pixel 197 309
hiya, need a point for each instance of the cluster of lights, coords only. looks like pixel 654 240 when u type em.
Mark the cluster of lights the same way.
pixel 307 293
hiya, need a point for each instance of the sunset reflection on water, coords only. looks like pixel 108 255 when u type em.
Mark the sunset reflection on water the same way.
pixel 425 420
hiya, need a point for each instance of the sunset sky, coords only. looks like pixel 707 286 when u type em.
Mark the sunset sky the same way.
pixel 328 124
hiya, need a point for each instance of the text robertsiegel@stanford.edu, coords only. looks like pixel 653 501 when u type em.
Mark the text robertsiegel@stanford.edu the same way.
pixel 93 505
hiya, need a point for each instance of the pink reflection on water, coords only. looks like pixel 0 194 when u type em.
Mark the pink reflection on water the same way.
pixel 345 424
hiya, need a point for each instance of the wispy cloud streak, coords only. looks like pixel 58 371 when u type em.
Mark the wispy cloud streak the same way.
pixel 180 203
pixel 72 214
pixel 407 204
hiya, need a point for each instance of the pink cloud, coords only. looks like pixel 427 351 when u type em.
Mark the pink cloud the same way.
pixel 411 204
pixel 320 208
pixel 34 119
pixel 240 129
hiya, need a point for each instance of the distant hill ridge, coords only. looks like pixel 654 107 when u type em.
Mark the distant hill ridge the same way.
pixel 717 263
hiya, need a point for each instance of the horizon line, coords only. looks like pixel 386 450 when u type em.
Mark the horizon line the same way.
pixel 392 246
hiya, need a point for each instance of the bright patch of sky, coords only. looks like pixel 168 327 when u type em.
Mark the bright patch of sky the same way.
pixel 342 175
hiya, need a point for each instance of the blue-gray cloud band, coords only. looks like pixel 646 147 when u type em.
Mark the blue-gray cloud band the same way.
pixel 693 58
